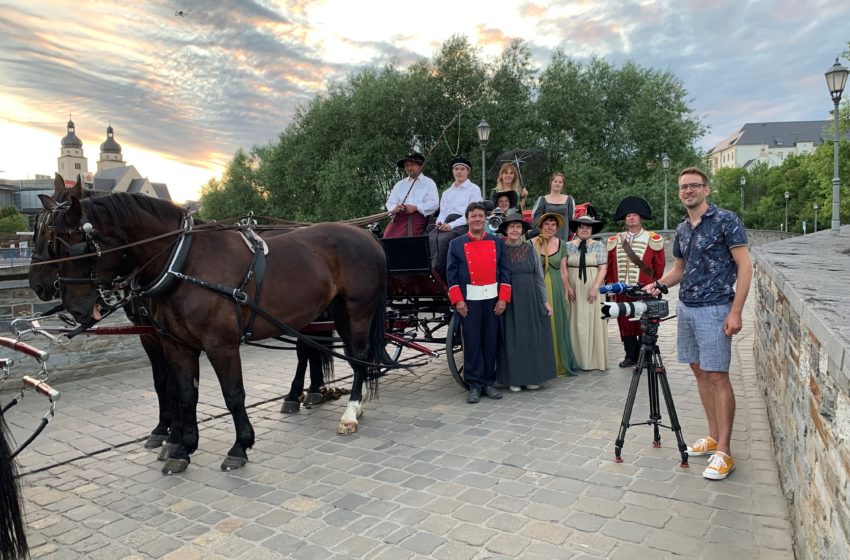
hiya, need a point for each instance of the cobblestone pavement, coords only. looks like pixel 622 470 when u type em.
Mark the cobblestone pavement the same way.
pixel 427 476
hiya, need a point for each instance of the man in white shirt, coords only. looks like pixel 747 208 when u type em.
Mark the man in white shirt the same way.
pixel 451 222
pixel 412 199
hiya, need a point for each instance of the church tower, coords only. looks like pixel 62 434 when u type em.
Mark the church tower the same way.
pixel 110 152
pixel 71 161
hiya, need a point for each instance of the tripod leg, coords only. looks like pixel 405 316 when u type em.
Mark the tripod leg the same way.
pixel 654 404
pixel 630 403
pixel 661 372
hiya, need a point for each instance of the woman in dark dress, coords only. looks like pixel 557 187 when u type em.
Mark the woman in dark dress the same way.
pixel 526 356
pixel 555 202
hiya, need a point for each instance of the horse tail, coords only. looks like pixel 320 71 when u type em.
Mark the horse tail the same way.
pixel 13 541
pixel 326 359
pixel 377 341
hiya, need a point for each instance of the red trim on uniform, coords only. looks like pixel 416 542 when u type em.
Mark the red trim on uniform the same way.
pixel 455 295
pixel 505 293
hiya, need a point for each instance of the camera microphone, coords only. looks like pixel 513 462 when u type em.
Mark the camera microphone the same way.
pixel 615 288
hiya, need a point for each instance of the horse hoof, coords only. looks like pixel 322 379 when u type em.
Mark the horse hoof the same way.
pixel 232 463
pixel 155 440
pixel 346 428
pixel 165 452
pixel 174 466
pixel 314 398
pixel 290 407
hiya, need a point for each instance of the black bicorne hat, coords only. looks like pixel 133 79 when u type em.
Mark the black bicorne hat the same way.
pixel 633 204
pixel 460 160
pixel 415 157
pixel 495 195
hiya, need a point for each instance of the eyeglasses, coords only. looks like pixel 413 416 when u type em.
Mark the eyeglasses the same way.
pixel 691 186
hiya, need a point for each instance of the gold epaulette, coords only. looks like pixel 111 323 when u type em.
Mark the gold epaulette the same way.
pixel 612 242
pixel 656 242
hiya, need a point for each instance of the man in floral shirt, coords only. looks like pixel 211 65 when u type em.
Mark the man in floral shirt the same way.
pixel 713 266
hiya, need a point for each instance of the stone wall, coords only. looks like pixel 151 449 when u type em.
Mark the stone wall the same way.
pixel 802 352
pixel 82 356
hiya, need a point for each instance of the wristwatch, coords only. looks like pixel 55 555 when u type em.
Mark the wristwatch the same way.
pixel 660 286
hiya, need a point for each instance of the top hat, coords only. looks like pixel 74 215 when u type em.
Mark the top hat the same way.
pixel 511 218
pixel 415 157
pixel 633 204
pixel 595 225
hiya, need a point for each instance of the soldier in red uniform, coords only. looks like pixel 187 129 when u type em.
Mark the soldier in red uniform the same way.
pixel 479 281
pixel 635 256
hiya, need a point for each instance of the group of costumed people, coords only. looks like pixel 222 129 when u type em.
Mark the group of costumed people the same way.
pixel 527 293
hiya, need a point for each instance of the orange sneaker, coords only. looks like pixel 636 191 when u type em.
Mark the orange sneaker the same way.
pixel 704 446
pixel 719 466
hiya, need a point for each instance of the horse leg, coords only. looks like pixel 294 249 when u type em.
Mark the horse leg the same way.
pixel 159 368
pixel 321 371
pixel 183 439
pixel 228 368
pixel 291 401
pixel 355 333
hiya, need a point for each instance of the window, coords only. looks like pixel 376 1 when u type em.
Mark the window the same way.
pixel 77 166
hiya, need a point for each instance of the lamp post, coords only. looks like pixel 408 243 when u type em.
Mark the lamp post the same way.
pixel 815 206
pixel 743 182
pixel 483 137
pixel 665 163
pixel 836 79
pixel 787 196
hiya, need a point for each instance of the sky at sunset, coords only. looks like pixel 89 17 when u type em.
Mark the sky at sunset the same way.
pixel 184 84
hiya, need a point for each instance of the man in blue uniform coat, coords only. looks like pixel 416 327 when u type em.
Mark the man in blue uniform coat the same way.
pixel 479 289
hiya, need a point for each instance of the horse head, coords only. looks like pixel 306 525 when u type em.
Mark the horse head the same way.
pixel 44 278
pixel 86 278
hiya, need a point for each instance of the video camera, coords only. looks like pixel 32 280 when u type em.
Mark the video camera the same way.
pixel 646 305
pixel 495 218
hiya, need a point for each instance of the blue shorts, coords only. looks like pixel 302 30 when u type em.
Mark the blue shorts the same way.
pixel 700 336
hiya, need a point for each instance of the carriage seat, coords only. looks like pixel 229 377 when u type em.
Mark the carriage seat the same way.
pixel 407 254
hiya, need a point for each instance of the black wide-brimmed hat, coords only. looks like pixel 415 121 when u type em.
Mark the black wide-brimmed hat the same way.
pixel 512 218
pixel 595 225
pixel 496 195
pixel 460 160
pixel 633 204
pixel 415 157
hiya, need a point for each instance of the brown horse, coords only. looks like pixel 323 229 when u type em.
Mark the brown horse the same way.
pixel 325 266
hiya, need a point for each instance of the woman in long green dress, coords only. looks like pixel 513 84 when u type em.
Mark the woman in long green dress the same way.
pixel 526 356
pixel 553 257
pixel 587 262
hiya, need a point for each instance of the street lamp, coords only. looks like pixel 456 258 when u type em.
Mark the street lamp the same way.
pixel 787 196
pixel 665 163
pixel 743 182
pixel 483 137
pixel 815 206
pixel 836 78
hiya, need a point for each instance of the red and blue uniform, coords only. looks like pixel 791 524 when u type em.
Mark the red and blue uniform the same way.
pixel 479 275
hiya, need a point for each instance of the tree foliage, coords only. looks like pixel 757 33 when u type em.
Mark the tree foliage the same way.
pixel 12 221
pixel 605 126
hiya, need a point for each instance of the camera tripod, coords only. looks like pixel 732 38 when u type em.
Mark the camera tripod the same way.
pixel 649 360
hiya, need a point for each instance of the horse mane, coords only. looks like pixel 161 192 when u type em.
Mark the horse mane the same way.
pixel 125 207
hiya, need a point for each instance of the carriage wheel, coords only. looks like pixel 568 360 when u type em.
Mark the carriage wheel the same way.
pixel 394 350
pixel 454 352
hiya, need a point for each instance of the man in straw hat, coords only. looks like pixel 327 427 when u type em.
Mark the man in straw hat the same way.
pixel 479 290
pixel 635 256
pixel 412 199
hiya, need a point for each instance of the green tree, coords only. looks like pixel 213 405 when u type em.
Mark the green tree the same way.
pixel 12 221
pixel 237 194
